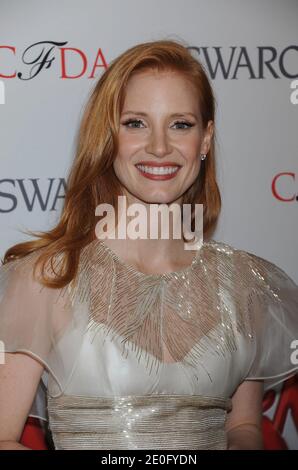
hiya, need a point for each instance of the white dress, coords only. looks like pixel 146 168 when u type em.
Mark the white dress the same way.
pixel 127 353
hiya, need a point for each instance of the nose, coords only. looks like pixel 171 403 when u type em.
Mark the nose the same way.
pixel 158 143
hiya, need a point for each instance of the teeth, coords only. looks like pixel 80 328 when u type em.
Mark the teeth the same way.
pixel 158 170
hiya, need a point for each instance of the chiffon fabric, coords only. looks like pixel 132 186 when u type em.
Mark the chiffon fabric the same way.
pixel 138 361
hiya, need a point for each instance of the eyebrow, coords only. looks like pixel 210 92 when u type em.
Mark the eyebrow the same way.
pixel 140 113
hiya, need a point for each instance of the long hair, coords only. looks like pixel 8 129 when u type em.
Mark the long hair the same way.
pixel 91 179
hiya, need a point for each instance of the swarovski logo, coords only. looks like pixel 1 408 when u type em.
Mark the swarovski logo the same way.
pixel 33 193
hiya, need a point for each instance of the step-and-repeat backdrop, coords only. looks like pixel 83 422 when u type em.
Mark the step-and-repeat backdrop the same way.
pixel 51 54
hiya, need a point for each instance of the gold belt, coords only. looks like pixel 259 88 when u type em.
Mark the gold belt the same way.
pixel 155 421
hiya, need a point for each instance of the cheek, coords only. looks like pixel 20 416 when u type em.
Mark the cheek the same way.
pixel 192 159
pixel 190 148
pixel 120 166
pixel 128 146
pixel 129 143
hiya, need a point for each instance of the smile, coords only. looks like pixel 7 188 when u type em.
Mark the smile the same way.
pixel 158 172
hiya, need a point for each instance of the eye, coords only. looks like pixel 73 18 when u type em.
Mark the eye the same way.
pixel 134 124
pixel 183 123
pixel 133 121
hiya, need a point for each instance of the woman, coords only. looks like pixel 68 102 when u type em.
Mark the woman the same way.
pixel 141 343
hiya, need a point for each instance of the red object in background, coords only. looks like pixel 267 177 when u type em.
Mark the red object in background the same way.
pixel 273 429
pixel 34 436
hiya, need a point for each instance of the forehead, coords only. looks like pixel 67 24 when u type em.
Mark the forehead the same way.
pixel 152 87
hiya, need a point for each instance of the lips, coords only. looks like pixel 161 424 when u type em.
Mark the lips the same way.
pixel 149 163
pixel 158 171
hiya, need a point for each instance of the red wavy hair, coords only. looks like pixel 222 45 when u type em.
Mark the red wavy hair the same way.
pixel 91 179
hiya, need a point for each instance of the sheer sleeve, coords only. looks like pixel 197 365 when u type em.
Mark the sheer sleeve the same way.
pixel 272 303
pixel 45 323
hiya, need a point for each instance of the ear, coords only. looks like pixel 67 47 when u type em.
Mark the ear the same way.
pixel 208 134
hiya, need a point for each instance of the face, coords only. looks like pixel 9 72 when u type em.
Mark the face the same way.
pixel 160 138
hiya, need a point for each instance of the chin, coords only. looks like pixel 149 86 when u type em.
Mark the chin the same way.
pixel 153 197
pixel 158 199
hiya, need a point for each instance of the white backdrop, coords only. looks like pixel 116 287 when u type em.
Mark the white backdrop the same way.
pixel 250 51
